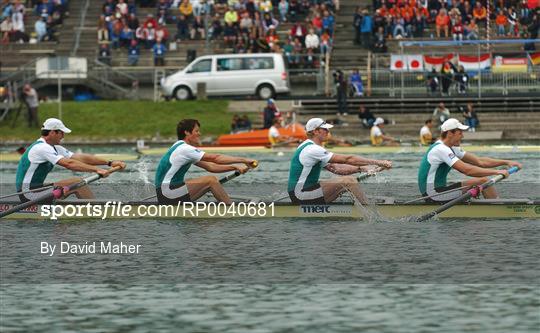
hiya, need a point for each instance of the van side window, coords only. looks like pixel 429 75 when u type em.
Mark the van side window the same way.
pixel 258 63
pixel 202 66
pixel 229 64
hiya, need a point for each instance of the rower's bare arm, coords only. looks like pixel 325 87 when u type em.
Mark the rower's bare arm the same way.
pixel 225 159
pixel 359 161
pixel 342 169
pixel 76 165
pixel 94 160
pixel 89 159
pixel 487 162
pixel 475 171
pixel 215 168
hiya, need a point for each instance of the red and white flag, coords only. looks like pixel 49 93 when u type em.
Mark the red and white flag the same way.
pixel 475 63
pixel 398 62
pixel 436 62
pixel 415 62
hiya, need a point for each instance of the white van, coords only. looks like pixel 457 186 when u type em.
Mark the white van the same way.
pixel 262 74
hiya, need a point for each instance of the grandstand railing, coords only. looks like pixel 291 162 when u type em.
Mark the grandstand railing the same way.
pixel 114 82
pixel 404 84
pixel 84 10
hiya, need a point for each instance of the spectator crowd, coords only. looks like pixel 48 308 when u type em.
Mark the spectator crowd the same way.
pixel 242 26
pixel 456 19
pixel 44 16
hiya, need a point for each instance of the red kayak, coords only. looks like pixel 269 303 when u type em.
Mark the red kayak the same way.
pixel 260 137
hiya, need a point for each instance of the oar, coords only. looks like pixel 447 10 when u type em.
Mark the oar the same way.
pixel 37 189
pixel 222 180
pixel 473 192
pixel 56 193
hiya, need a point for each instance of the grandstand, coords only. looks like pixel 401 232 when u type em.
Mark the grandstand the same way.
pixel 112 76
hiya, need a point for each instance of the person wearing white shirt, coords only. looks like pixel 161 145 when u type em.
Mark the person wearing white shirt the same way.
pixel 171 186
pixel 378 137
pixel 445 155
pixel 426 137
pixel 310 158
pixel 46 152
pixel 312 40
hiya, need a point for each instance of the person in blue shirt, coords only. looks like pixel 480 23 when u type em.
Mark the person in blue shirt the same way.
pixel 328 22
pixel 133 53
pixel 126 35
pixel 41 29
pixel 159 53
pixel 366 29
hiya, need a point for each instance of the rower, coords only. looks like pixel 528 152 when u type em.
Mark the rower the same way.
pixel 426 138
pixel 276 138
pixel 171 187
pixel 377 136
pixel 41 156
pixel 310 157
pixel 446 154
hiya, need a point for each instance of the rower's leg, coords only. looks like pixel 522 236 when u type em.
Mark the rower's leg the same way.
pixel 334 187
pixel 81 193
pixel 199 186
pixel 488 193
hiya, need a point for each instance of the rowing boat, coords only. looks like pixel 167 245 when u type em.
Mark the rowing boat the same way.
pixel 15 157
pixel 352 150
pixel 490 208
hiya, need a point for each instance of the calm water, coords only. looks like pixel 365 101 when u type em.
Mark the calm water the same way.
pixel 277 275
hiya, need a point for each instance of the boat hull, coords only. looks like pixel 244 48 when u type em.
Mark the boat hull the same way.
pixel 504 210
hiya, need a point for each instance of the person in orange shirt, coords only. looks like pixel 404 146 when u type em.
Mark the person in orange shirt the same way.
pixel 479 12
pixel 441 23
pixel 501 22
pixel 407 13
pixel 383 11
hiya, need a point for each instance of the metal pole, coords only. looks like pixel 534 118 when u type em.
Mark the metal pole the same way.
pixel 59 88
pixel 59 95
pixel 479 74
pixel 206 17
pixel 402 78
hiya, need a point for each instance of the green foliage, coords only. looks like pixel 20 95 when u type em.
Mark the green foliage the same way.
pixel 117 120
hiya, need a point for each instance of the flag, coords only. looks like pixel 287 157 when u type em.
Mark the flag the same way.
pixel 475 63
pixel 398 62
pixel 535 58
pixel 509 65
pixel 415 62
pixel 436 62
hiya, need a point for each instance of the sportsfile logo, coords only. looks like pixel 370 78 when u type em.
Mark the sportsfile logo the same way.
pixel 325 209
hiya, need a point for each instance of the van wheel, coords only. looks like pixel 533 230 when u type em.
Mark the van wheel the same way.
pixel 182 93
pixel 265 91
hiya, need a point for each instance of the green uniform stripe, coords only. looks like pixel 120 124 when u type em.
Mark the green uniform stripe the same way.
pixel 165 165
pixel 41 172
pixel 297 168
pixel 441 173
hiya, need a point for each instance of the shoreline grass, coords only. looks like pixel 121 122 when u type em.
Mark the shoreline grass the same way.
pixel 122 120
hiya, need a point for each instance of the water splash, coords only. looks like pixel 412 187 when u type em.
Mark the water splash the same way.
pixel 141 168
pixel 140 172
